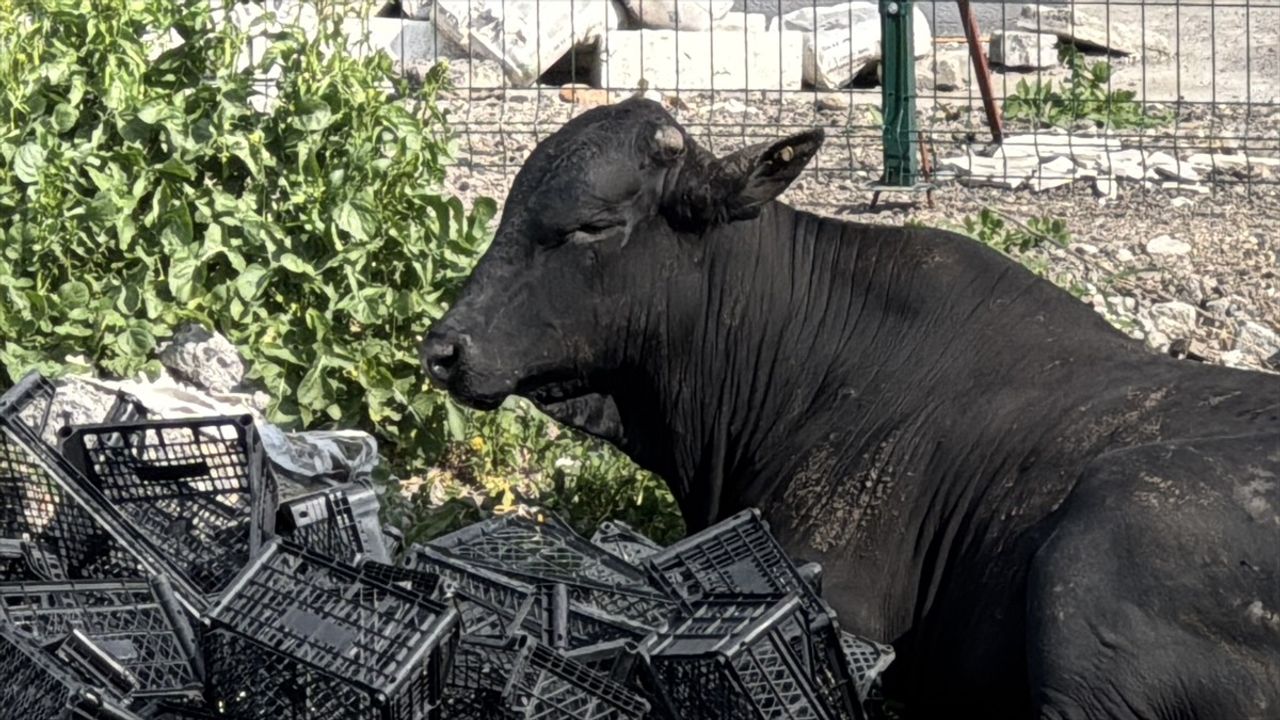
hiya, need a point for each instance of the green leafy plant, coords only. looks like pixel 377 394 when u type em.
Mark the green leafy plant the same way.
pixel 991 228
pixel 145 185
pixel 1086 95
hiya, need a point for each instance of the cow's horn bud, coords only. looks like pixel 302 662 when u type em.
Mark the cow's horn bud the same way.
pixel 786 153
pixel 669 140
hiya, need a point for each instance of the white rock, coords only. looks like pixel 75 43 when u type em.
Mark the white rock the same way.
pixel 1106 187
pixel 1223 161
pixel 1088 27
pixel 541 32
pixel 751 22
pixel 1176 318
pixel 1157 340
pixel 1257 339
pixel 842 41
pixel 1162 165
pixel 1123 255
pixel 408 41
pixel 1019 49
pixel 1124 164
pixel 1185 186
pixel 1167 245
pixel 204 358
pixel 1234 359
pixel 1010 173
pixel 1055 173
pixel 730 60
pixel 678 14
pixel 950 68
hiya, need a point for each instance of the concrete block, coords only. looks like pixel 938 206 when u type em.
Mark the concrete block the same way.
pixel 728 60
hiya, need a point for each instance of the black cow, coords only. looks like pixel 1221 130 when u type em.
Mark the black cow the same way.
pixel 1044 518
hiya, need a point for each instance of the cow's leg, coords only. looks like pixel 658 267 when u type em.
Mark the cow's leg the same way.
pixel 1158 593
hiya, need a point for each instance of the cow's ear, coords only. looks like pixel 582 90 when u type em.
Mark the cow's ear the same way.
pixel 749 178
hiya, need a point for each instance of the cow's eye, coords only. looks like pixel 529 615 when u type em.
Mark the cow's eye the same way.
pixel 588 232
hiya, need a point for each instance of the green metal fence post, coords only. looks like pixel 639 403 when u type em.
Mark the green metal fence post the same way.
pixel 901 165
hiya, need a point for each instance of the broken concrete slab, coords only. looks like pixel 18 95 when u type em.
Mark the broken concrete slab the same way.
pixel 729 60
pixel 1055 173
pixel 1002 171
pixel 409 42
pixel 1224 161
pixel 1125 164
pixel 1163 166
pixel 950 68
pixel 843 41
pixel 737 20
pixel 526 36
pixel 678 14
pixel 1017 49
pixel 1089 29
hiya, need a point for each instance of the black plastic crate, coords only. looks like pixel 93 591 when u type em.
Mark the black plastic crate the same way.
pixel 736 555
pixel 623 541
pixel 35 686
pixel 341 522
pixel 551 552
pixel 495 604
pixel 46 501
pixel 424 583
pixel 196 488
pixel 867 661
pixel 625 663
pixel 519 677
pixel 299 635
pixel 139 626
pixel 25 560
pixel 740 658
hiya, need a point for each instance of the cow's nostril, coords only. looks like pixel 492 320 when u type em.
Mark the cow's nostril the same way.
pixel 440 357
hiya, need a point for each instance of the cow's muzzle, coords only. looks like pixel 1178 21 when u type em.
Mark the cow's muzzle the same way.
pixel 443 355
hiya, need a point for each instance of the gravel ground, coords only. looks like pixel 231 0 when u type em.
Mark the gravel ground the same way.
pixel 1194 268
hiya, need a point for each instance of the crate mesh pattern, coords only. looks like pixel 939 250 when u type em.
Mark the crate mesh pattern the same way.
pixel 41 503
pixel 131 621
pixel 549 551
pixel 493 604
pixel 195 488
pixel 740 658
pixel 300 635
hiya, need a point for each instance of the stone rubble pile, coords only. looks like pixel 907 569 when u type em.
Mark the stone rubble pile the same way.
pixel 1050 159
pixel 628 45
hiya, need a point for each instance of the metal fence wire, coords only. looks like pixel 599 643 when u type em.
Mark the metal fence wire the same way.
pixel 1097 97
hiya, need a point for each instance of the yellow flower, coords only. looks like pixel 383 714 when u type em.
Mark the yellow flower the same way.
pixel 477 443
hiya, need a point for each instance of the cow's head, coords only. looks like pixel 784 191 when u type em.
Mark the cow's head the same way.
pixel 600 219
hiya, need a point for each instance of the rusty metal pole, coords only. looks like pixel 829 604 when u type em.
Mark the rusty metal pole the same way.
pixel 981 69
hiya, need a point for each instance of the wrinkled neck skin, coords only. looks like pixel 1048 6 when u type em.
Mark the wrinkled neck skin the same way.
pixel 834 364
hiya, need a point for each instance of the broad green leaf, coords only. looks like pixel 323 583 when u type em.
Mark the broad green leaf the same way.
pixel 295 264
pixel 64 117
pixel 251 282
pixel 456 421
pixel 137 340
pixel 312 391
pixel 74 294
pixel 176 168
pixel 312 115
pixel 183 270
pixel 353 220
pixel 28 162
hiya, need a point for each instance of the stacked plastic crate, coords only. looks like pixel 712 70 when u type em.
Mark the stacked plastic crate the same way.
pixel 149 571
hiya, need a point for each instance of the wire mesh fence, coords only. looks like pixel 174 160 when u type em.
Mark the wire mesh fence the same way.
pixel 1105 96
